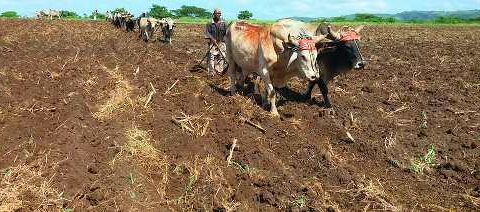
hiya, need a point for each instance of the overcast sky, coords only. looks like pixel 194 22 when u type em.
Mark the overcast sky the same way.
pixel 266 9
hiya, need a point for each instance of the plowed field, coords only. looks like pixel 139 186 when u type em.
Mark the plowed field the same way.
pixel 93 118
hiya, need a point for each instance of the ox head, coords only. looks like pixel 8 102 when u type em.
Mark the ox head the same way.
pixel 347 39
pixel 167 30
pixel 304 55
pixel 153 23
pixel 167 25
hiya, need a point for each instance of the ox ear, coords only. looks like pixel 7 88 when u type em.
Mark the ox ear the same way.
pixel 292 40
pixel 358 28
pixel 290 43
pixel 292 58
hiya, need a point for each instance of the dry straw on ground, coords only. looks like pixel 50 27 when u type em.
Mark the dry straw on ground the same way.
pixel 373 194
pixel 208 173
pixel 197 125
pixel 139 151
pixel 119 97
pixel 26 187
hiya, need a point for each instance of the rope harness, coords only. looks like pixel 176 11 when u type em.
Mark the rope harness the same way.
pixel 349 36
pixel 346 36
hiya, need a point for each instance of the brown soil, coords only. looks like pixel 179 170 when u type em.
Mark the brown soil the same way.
pixel 76 132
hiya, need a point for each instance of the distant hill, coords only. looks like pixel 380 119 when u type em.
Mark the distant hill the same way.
pixel 410 15
pixel 304 19
pixel 430 15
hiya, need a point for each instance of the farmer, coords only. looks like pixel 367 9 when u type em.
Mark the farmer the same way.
pixel 215 33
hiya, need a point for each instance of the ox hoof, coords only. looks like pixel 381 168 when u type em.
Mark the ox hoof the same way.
pixel 275 114
pixel 327 112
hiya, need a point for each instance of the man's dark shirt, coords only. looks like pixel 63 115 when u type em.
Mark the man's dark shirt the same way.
pixel 217 30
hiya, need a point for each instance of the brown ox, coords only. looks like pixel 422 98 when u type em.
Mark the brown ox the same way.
pixel 275 52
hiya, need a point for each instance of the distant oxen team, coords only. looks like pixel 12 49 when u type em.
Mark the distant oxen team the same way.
pixel 147 27
pixel 50 14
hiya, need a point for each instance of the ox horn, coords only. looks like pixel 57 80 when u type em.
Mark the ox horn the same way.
pixel 334 34
pixel 358 28
pixel 292 58
pixel 294 55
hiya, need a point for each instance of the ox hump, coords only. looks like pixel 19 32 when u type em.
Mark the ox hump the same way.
pixel 244 26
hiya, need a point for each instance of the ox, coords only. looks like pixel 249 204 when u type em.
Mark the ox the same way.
pixel 116 20
pixel 129 24
pixel 276 53
pixel 50 14
pixel 167 25
pixel 147 27
pixel 336 57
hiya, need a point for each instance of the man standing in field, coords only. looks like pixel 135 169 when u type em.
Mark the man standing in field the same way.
pixel 215 33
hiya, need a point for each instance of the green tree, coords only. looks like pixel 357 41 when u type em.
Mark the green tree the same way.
pixel 120 10
pixel 475 20
pixel 390 20
pixel 191 11
pixel 365 17
pixel 158 11
pixel 9 14
pixel 100 16
pixel 245 15
pixel 338 19
pixel 448 20
pixel 69 14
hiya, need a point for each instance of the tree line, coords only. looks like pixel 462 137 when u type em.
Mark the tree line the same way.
pixel 63 13
pixel 156 11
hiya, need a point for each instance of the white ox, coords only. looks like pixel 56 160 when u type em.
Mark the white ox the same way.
pixel 167 26
pixel 147 27
pixel 276 53
pixel 48 13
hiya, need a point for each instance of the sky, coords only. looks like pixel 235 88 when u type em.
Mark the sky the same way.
pixel 266 9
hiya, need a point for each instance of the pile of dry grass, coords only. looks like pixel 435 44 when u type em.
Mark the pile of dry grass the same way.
pixel 247 106
pixel 203 172
pixel 119 97
pixel 373 194
pixel 208 173
pixel 197 125
pixel 139 152
pixel 24 187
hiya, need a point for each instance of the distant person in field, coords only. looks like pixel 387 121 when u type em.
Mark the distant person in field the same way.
pixel 215 33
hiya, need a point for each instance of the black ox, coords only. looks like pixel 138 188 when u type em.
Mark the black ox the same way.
pixel 334 58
